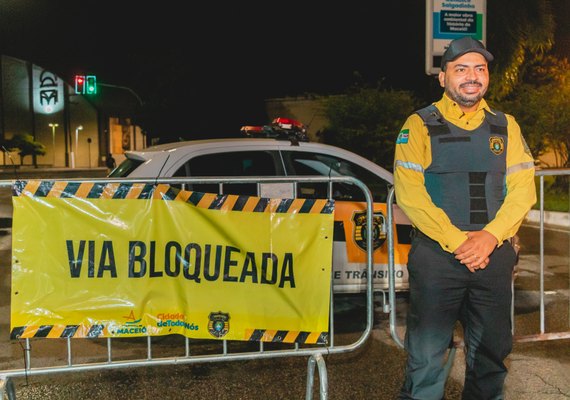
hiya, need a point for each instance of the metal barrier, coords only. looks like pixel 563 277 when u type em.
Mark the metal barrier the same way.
pixel 542 335
pixel 315 354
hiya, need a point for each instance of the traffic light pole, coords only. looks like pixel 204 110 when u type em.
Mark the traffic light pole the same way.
pixel 128 89
pixel 86 85
pixel 133 93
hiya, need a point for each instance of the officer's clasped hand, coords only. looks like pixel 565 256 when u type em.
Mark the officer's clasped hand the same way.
pixel 475 251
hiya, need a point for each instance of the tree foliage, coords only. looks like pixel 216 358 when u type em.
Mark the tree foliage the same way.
pixel 26 146
pixel 542 108
pixel 519 34
pixel 528 79
pixel 367 121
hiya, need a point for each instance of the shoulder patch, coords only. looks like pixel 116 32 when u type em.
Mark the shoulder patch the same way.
pixel 403 136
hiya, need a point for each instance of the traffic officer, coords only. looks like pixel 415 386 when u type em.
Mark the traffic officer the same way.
pixel 464 176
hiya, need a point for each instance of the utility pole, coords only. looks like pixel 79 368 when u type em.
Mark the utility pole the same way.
pixel 107 145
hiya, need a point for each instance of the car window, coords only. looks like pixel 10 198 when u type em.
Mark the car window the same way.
pixel 310 163
pixel 125 168
pixel 228 164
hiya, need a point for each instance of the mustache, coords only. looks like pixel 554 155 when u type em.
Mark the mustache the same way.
pixel 474 82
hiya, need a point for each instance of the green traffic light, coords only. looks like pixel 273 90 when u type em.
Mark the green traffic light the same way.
pixel 91 83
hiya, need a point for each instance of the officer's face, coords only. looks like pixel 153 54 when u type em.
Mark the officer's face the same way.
pixel 466 80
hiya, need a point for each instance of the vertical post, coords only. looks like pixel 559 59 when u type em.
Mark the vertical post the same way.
pixel 66 126
pixel 89 147
pixel 53 126
pixel 32 110
pixel 7 388
pixel 542 254
pixel 318 361
pixel 74 155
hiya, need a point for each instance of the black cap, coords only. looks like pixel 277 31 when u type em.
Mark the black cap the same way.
pixel 466 44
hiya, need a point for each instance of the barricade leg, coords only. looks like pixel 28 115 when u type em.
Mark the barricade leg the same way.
pixel 7 389
pixel 323 379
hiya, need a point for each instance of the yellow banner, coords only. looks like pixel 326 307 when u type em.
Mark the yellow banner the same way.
pixel 120 260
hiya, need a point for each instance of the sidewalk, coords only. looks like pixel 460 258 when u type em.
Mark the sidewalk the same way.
pixel 29 172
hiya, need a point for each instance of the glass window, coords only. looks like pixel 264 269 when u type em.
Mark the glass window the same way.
pixel 306 163
pixel 125 168
pixel 228 164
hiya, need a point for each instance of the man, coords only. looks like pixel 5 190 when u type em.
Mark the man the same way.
pixel 110 162
pixel 464 176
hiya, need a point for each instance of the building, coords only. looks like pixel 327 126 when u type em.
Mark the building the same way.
pixel 77 131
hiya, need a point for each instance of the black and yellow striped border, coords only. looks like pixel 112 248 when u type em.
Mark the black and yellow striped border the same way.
pixel 95 331
pixel 57 331
pixel 143 191
pixel 277 336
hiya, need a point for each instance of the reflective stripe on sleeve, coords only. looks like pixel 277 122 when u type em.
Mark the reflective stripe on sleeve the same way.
pixel 520 167
pixel 409 165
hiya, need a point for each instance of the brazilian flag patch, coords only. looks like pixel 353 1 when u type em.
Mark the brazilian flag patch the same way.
pixel 403 136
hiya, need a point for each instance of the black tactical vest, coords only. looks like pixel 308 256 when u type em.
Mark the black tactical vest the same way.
pixel 467 175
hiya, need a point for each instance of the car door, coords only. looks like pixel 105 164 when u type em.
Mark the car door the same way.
pixel 349 257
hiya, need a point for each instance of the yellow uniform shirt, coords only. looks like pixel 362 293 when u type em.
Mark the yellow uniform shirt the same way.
pixel 413 156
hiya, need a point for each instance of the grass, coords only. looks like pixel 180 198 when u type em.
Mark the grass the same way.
pixel 555 198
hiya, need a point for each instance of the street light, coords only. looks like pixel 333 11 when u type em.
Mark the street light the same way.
pixel 80 127
pixel 53 126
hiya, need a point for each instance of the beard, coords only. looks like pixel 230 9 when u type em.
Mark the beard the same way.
pixel 466 100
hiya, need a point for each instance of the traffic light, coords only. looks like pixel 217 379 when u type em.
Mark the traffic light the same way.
pixel 85 84
pixel 79 84
pixel 90 84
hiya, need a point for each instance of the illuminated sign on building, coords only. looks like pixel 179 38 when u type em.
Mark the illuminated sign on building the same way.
pixel 48 92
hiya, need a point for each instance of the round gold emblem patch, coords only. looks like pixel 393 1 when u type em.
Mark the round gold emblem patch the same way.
pixel 497 145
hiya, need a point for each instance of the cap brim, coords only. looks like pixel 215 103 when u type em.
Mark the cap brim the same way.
pixel 488 56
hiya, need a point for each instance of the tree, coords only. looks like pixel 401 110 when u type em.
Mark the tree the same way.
pixel 519 33
pixel 6 145
pixel 367 121
pixel 27 146
pixel 542 108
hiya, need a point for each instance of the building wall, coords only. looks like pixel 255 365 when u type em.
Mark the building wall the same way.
pixel 16 101
pixel 47 107
pixel 33 98
pixel 124 136
pixel 84 142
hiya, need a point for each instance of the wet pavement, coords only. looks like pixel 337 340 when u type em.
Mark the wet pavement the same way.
pixel 538 371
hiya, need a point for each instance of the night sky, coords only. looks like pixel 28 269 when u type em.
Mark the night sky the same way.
pixel 205 71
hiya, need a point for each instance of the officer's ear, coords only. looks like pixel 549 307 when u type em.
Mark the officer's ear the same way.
pixel 441 78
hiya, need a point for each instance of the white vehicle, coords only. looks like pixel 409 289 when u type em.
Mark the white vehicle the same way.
pixel 254 157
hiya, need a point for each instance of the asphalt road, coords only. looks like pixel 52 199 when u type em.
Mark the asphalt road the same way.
pixel 538 370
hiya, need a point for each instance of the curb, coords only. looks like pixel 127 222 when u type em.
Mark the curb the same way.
pixel 551 218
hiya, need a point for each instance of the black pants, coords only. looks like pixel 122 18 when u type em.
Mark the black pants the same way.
pixel 443 291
